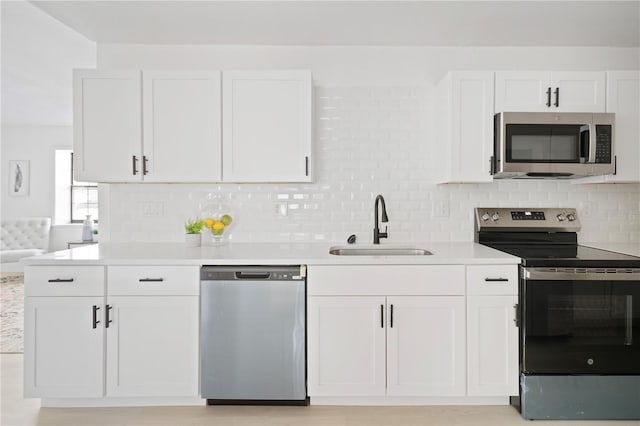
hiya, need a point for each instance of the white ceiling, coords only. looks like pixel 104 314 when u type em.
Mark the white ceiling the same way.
pixel 314 23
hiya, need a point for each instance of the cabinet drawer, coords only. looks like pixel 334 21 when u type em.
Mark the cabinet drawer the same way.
pixel 152 280
pixel 385 279
pixel 492 279
pixel 64 280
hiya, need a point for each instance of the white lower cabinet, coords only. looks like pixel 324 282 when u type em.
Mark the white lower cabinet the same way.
pixel 425 346
pixel 137 338
pixel 492 330
pixel 152 331
pixel 64 352
pixel 375 346
pixel 152 346
pixel 492 346
pixel 364 344
pixel 346 346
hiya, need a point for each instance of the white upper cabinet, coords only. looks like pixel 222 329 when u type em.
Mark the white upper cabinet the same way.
pixel 107 125
pixel 543 91
pixel 465 127
pixel 266 132
pixel 181 123
pixel 166 126
pixel 623 99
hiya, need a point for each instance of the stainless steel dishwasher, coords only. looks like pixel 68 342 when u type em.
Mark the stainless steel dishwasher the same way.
pixel 253 335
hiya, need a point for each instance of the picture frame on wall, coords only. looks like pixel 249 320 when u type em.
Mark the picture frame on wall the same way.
pixel 19 178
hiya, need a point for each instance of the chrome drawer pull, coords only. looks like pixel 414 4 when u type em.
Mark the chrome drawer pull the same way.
pixel 60 280
pixel 500 280
pixel 151 280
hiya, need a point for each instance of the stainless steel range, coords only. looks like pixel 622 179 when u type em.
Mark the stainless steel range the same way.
pixel 580 316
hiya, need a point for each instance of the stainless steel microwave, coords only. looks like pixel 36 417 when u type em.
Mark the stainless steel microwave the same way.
pixel 553 144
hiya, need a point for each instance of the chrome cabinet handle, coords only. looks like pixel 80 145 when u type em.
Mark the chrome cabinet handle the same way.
pixel 61 280
pixel 557 93
pixel 381 316
pixel 135 165
pixel 145 169
pixel 549 96
pixel 306 166
pixel 391 317
pixel 151 280
pixel 493 280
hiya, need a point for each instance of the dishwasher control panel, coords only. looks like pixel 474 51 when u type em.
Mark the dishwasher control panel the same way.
pixel 252 273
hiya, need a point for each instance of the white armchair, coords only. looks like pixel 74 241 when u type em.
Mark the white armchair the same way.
pixel 23 237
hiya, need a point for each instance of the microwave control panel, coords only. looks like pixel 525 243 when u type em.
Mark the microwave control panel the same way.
pixel 603 143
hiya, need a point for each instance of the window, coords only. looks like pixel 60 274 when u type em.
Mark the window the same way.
pixel 74 200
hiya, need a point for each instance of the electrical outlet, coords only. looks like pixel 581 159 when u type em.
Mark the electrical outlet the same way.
pixel 586 208
pixel 441 208
pixel 152 209
pixel 281 209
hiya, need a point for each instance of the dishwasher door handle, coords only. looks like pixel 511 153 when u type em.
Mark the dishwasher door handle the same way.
pixel 252 275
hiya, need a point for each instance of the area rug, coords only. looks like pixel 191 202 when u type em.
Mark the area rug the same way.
pixel 11 312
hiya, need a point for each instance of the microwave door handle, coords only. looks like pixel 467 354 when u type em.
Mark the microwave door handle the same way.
pixel 592 143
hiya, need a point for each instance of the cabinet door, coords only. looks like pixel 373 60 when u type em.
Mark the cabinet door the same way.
pixel 492 345
pixel 522 91
pixel 425 346
pixel 64 353
pixel 542 91
pixel 346 346
pixel 472 126
pixel 266 132
pixel 623 98
pixel 152 346
pixel 107 138
pixel 182 126
pixel 576 91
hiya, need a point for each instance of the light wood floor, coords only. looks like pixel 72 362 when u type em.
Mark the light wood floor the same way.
pixel 16 410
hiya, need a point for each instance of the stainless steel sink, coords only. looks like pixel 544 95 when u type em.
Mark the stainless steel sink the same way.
pixel 378 251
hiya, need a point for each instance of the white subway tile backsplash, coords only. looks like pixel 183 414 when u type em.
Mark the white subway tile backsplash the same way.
pixel 369 141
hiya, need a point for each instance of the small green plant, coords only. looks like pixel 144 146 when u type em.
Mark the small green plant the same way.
pixel 193 226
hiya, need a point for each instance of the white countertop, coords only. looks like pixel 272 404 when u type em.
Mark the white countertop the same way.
pixel 265 254
pixel 632 249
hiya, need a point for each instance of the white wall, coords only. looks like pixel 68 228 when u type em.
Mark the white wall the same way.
pixel 374 131
pixel 37 145
pixel 38 54
pixel 367 66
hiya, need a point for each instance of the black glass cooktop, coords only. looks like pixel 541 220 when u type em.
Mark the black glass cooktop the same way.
pixel 568 255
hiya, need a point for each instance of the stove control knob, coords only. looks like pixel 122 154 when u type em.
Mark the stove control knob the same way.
pixel 485 217
pixel 561 217
pixel 495 217
pixel 571 217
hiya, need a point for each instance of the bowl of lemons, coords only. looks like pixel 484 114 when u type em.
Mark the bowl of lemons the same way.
pixel 217 224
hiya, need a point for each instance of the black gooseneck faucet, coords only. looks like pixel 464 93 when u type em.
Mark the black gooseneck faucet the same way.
pixel 376 231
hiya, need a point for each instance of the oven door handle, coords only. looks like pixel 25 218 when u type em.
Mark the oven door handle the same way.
pixel 582 274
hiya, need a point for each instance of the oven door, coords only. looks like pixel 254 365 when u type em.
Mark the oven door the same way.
pixel 580 321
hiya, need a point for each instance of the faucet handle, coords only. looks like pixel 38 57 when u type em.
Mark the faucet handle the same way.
pixel 383 234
